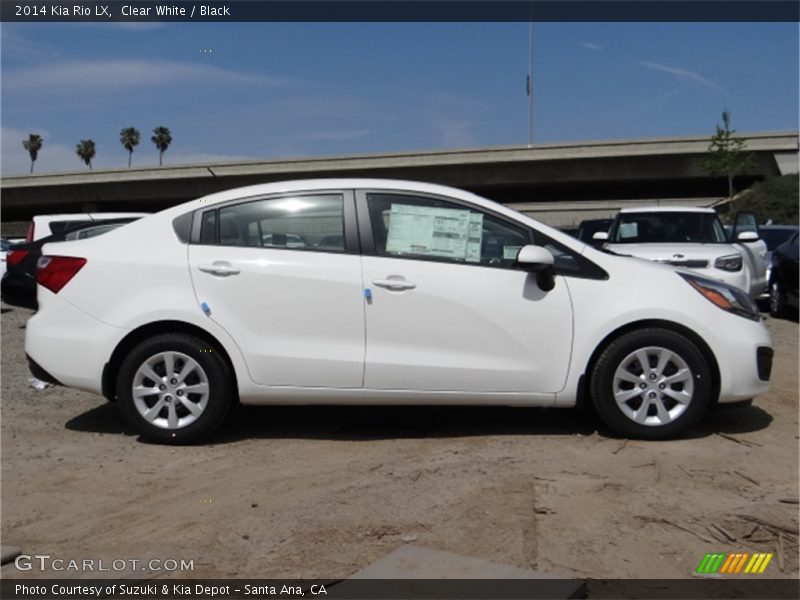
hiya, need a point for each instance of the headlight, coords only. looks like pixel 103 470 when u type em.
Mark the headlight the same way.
pixel 726 297
pixel 731 262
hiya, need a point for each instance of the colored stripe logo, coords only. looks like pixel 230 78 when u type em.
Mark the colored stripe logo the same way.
pixel 734 563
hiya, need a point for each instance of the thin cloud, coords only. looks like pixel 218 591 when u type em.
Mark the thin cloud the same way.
pixel 115 75
pixel 591 46
pixel 456 134
pixel 349 134
pixel 138 25
pixel 684 74
pixel 17 46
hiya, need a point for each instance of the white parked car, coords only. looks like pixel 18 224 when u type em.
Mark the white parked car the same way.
pixel 436 296
pixel 44 225
pixel 693 238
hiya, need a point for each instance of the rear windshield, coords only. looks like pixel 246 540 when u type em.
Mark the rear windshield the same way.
pixel 668 227
pixel 59 226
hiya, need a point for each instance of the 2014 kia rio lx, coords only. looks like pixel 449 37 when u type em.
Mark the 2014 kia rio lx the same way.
pixel 367 291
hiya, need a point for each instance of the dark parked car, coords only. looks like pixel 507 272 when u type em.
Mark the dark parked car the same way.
pixel 774 236
pixel 589 227
pixel 18 286
pixel 783 295
pixel 573 231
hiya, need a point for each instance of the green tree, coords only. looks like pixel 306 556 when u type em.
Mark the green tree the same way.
pixel 777 198
pixel 86 151
pixel 726 154
pixel 129 137
pixel 33 144
pixel 162 138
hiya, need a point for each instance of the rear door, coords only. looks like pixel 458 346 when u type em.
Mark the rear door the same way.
pixel 282 275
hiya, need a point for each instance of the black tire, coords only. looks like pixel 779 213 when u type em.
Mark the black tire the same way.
pixel 619 352
pixel 219 386
pixel 777 300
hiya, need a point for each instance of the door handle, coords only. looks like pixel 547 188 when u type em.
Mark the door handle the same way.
pixel 219 268
pixel 394 284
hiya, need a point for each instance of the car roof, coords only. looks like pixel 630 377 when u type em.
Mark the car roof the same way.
pixel 779 227
pixel 652 209
pixel 353 183
pixel 254 192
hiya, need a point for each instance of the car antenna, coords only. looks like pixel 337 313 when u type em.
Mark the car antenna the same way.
pixel 215 177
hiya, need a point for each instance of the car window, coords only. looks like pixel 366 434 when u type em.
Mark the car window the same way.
pixel 745 221
pixel 59 226
pixel 589 228
pixel 89 232
pixel 668 227
pixel 292 223
pixel 430 228
pixel 208 229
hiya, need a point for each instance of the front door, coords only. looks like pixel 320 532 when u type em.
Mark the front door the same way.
pixel 448 308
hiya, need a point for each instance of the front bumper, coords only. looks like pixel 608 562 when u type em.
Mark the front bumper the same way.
pixel 744 352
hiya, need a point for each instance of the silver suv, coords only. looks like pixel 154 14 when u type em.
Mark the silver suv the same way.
pixel 693 238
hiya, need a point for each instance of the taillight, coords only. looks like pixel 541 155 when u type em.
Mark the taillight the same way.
pixel 54 272
pixel 15 257
pixel 31 229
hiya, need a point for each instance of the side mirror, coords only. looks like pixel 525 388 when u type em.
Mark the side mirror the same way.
pixel 539 260
pixel 600 236
pixel 534 258
pixel 747 236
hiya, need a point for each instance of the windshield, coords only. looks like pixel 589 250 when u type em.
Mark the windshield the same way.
pixel 668 227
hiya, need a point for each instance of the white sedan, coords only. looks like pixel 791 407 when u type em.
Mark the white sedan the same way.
pixel 433 296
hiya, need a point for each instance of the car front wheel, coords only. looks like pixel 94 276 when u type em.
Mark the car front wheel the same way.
pixel 651 384
pixel 174 388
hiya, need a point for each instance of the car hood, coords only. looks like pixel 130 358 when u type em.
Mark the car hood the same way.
pixel 674 254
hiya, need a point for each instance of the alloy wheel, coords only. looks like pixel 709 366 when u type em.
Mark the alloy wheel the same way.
pixel 653 386
pixel 170 390
pixel 775 298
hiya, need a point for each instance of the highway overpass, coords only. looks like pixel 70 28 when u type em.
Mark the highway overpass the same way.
pixel 562 182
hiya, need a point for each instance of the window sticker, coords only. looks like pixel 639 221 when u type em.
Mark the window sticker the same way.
pixel 510 252
pixel 430 231
pixel 628 230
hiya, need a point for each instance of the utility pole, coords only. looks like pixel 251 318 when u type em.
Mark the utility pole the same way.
pixel 529 85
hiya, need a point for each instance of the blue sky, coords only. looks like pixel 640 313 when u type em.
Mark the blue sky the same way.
pixel 263 90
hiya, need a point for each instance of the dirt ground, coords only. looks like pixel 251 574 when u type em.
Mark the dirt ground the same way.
pixel 320 492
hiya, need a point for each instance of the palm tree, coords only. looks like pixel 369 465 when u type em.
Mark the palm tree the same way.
pixel 162 138
pixel 129 137
pixel 86 151
pixel 33 144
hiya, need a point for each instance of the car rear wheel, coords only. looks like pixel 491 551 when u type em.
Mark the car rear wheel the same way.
pixel 174 388
pixel 651 384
